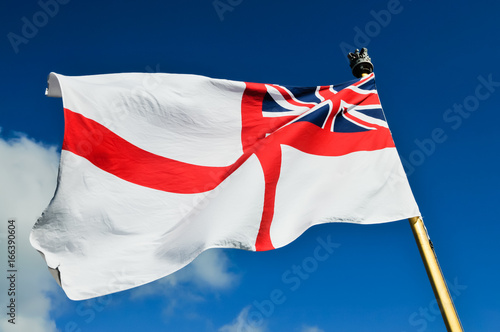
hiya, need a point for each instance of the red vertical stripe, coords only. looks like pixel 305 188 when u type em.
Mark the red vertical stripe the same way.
pixel 270 159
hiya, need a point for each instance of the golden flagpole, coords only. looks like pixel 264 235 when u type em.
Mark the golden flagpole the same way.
pixel 361 66
pixel 435 275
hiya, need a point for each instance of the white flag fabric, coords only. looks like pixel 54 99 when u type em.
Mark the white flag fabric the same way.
pixel 156 168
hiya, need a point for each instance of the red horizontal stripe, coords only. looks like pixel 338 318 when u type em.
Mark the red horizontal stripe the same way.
pixel 311 139
pixel 113 154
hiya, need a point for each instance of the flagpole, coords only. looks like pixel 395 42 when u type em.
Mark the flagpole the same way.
pixel 361 66
pixel 435 275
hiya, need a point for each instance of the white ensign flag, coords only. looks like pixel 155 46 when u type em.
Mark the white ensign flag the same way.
pixel 156 168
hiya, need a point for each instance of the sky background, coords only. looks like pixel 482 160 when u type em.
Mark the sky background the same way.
pixel 439 82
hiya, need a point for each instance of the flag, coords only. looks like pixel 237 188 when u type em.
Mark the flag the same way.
pixel 156 168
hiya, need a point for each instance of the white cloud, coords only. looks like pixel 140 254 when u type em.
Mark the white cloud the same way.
pixel 244 323
pixel 311 329
pixel 32 323
pixel 211 268
pixel 209 271
pixel 248 321
pixel 28 173
pixel 205 276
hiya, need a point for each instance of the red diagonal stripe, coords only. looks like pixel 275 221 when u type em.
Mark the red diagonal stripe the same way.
pixel 288 97
pixel 113 154
pixel 364 123
pixel 363 80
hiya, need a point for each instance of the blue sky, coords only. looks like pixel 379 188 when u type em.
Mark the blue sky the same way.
pixel 439 83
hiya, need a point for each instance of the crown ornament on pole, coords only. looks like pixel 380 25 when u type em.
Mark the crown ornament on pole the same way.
pixel 360 62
